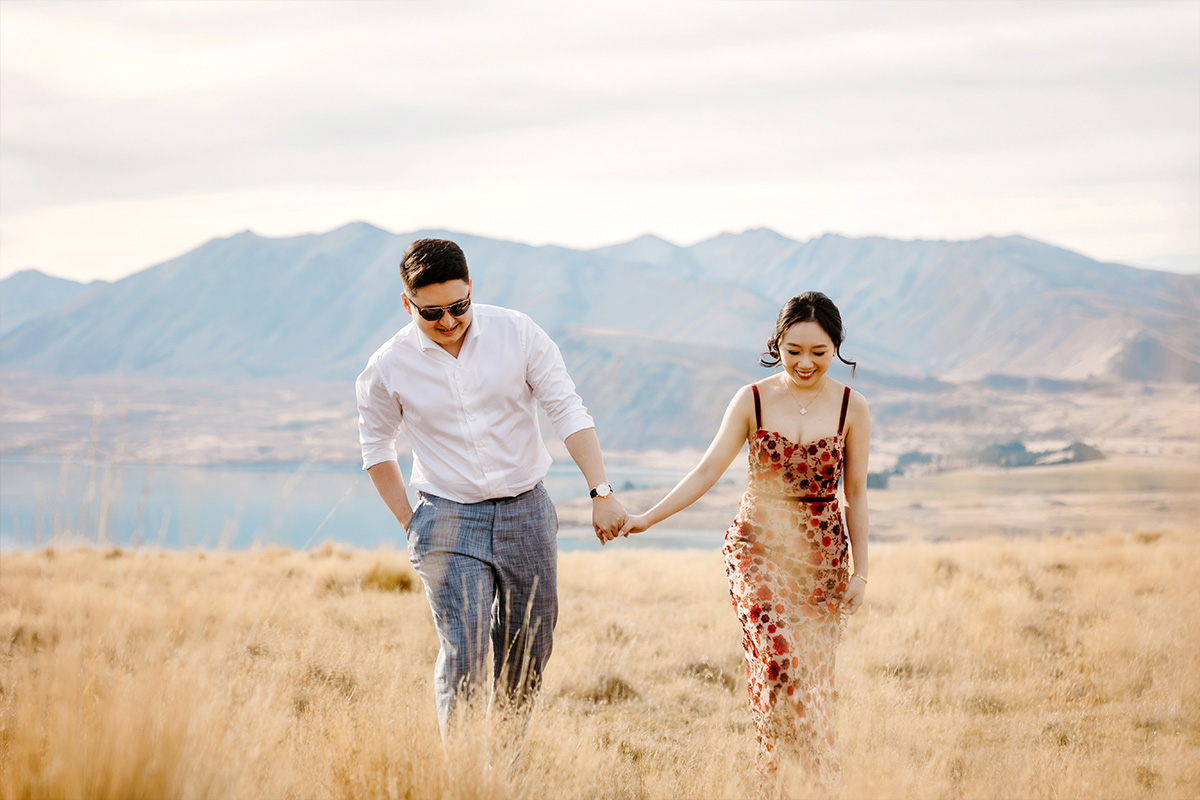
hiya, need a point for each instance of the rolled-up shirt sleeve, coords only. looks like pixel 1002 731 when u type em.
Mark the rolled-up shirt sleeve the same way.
pixel 379 418
pixel 547 375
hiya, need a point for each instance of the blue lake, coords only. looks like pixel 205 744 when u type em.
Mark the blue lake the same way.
pixel 236 507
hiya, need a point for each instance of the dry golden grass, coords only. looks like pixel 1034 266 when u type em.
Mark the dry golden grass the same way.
pixel 1051 668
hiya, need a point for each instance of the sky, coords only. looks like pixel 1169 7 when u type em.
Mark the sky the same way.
pixel 131 133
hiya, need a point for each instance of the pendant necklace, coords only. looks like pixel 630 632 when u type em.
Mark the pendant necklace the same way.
pixel 804 408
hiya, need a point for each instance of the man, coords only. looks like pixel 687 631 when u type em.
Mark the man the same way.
pixel 461 380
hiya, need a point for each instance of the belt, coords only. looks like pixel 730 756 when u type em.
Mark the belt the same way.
pixel 513 497
pixel 798 498
pixel 486 500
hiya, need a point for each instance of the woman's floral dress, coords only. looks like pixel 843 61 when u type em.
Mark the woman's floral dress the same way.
pixel 786 559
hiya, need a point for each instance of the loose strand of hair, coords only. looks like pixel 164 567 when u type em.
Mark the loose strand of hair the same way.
pixel 852 364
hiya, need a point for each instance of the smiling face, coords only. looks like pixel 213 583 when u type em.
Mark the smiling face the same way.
pixel 448 331
pixel 806 352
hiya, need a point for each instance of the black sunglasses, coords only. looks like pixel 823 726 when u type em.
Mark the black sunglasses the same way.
pixel 435 313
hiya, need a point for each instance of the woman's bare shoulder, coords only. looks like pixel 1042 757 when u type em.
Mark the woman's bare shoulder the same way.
pixel 743 398
pixel 857 409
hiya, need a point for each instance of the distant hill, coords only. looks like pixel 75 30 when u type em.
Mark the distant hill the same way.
pixel 646 324
pixel 28 294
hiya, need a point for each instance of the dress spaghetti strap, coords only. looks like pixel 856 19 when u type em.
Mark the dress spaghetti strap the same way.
pixel 845 405
pixel 757 408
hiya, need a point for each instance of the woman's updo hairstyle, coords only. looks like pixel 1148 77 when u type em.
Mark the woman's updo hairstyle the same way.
pixel 807 307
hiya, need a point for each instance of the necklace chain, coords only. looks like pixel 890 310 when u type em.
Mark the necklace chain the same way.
pixel 804 408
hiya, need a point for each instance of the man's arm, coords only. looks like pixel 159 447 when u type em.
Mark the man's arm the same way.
pixel 552 386
pixel 389 482
pixel 608 514
pixel 379 419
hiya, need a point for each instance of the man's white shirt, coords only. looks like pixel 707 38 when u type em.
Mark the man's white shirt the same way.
pixel 471 421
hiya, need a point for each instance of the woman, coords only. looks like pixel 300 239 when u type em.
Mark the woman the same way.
pixel 786 552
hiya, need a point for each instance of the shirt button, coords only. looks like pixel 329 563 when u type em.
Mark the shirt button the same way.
pixel 471 417
pixel 479 444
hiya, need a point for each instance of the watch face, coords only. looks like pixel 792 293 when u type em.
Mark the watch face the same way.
pixel 603 490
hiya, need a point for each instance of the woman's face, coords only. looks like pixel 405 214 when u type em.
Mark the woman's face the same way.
pixel 806 352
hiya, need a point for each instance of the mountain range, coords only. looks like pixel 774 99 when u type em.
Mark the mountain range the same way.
pixel 653 332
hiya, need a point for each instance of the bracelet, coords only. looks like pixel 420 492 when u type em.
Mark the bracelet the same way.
pixel 863 578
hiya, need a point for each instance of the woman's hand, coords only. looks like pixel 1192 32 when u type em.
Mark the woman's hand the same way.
pixel 856 592
pixel 635 524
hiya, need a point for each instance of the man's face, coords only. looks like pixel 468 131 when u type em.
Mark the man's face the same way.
pixel 448 330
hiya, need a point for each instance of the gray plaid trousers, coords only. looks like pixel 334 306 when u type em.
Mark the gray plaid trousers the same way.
pixel 496 560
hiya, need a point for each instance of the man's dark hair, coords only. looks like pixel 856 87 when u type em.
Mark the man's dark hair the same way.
pixel 430 261
pixel 807 307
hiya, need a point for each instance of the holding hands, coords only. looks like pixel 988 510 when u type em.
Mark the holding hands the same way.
pixel 634 523
pixel 608 516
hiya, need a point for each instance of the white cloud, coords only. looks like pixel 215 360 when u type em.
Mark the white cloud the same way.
pixel 133 131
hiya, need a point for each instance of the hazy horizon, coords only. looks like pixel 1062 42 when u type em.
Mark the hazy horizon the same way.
pixel 1182 265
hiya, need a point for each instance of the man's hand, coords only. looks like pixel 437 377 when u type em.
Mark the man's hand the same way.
pixel 608 515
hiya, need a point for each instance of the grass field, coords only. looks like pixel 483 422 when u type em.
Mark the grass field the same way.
pixel 1064 667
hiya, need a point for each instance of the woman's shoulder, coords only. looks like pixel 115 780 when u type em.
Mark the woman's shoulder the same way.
pixel 838 389
pixel 856 403
pixel 856 408
pixel 857 400
pixel 767 390
pixel 742 401
pixel 765 386
pixel 745 394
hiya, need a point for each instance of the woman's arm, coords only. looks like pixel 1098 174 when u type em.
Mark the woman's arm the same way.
pixel 735 428
pixel 854 477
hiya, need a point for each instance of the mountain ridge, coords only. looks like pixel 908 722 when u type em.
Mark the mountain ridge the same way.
pixel 952 309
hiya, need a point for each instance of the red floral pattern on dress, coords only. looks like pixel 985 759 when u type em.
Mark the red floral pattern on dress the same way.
pixel 786 564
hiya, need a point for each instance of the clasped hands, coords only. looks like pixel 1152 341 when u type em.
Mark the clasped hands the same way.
pixel 610 520
pixel 608 517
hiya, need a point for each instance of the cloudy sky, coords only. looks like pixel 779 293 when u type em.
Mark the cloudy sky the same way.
pixel 133 132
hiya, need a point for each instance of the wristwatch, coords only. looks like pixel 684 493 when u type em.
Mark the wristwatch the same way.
pixel 603 490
